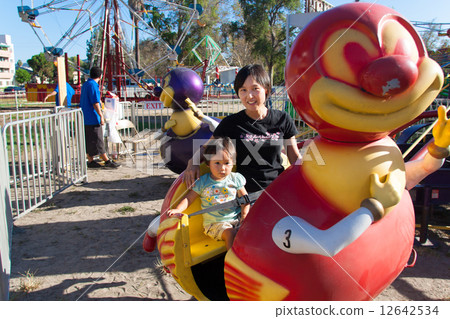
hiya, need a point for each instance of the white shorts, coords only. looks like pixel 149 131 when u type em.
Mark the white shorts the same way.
pixel 215 230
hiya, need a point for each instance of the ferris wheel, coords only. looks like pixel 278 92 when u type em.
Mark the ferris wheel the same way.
pixel 115 26
pixel 442 29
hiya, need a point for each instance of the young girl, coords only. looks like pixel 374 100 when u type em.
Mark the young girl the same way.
pixel 219 186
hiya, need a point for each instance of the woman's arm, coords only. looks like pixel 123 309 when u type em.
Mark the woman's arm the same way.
pixel 192 171
pixel 245 207
pixel 292 151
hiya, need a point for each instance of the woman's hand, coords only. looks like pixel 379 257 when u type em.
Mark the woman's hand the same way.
pixel 191 174
pixel 192 171
pixel 292 151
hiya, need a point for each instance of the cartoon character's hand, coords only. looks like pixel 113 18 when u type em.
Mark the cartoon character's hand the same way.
pixel 389 192
pixel 170 123
pixel 190 103
pixel 441 131
pixel 197 112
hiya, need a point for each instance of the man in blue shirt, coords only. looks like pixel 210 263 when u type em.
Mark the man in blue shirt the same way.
pixel 70 92
pixel 93 120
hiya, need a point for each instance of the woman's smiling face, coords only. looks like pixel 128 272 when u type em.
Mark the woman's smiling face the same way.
pixel 252 94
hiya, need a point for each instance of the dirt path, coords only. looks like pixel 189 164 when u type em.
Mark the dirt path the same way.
pixel 86 244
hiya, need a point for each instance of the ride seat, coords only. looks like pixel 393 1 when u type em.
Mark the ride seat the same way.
pixel 196 244
pixel 202 247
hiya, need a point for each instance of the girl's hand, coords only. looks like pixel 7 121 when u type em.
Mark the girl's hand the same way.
pixel 175 213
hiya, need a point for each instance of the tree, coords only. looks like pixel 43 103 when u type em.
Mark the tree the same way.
pixel 41 67
pixel 22 76
pixel 137 6
pixel 236 47
pixel 84 68
pixel 151 52
pixel 264 27
pixel 208 25
pixel 170 27
pixel 93 47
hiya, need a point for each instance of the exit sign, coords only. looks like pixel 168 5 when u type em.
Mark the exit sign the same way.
pixel 153 105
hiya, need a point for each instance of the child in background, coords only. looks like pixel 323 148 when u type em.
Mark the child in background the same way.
pixel 217 187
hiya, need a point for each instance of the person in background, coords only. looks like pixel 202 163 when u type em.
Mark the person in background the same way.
pixel 70 92
pixel 94 120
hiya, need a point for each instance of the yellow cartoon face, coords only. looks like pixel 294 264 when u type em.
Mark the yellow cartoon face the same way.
pixel 374 84
pixel 357 78
pixel 167 93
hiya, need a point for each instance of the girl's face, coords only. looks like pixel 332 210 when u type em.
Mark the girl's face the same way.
pixel 220 165
pixel 252 94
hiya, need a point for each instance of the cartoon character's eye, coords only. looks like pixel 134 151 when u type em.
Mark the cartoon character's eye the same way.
pixel 346 51
pixel 396 39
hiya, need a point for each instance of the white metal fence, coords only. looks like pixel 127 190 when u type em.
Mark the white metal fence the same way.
pixel 45 153
pixel 153 119
pixel 5 227
pixel 21 115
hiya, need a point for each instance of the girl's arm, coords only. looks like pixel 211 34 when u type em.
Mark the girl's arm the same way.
pixel 183 204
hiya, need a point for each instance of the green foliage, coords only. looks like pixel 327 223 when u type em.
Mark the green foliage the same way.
pixel 278 74
pixel 265 27
pixel 92 46
pixel 22 76
pixel 170 27
pixel 126 209
pixel 84 66
pixel 41 67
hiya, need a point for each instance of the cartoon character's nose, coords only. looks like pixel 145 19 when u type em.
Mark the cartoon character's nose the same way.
pixel 389 75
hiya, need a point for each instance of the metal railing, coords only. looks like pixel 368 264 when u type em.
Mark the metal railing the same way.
pixel 6 225
pixel 154 119
pixel 46 154
pixel 13 99
pixel 437 102
pixel 7 117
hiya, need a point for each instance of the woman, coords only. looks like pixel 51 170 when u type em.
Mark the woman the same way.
pixel 259 133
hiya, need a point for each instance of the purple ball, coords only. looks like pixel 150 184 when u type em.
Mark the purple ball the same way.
pixel 185 84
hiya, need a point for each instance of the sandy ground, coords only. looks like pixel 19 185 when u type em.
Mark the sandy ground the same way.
pixel 86 244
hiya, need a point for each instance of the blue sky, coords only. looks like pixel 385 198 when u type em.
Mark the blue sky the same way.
pixel 27 44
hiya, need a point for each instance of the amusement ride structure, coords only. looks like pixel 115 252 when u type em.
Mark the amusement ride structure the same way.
pixel 112 24
pixel 442 30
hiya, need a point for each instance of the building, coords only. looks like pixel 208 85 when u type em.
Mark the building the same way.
pixel 7 69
